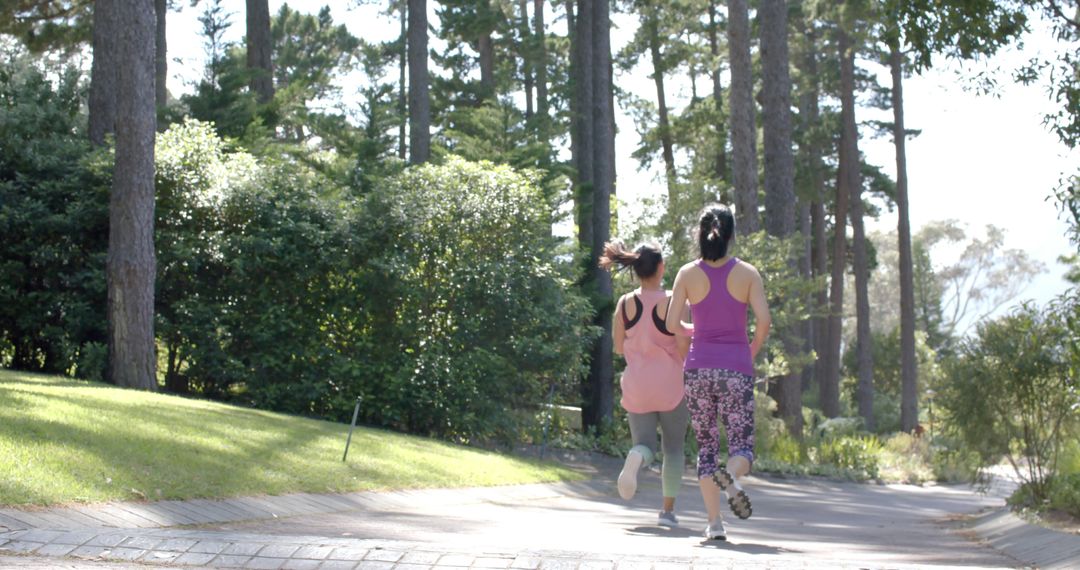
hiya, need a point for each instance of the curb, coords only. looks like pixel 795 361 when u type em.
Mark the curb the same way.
pixel 1026 542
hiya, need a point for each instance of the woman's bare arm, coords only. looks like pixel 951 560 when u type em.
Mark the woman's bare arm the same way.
pixel 762 319
pixel 673 321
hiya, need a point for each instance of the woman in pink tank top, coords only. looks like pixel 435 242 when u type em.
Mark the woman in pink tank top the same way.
pixel 719 370
pixel 652 384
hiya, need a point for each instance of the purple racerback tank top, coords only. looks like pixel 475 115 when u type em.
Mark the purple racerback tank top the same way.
pixel 719 339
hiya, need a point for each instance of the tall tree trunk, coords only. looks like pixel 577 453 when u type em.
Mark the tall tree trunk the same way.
pixel 402 103
pixel 161 59
pixel 830 384
pixel 103 72
pixel 541 62
pixel 909 407
pixel 594 159
pixel 486 47
pixel 806 271
pixel 743 131
pixel 828 390
pixel 130 265
pixel 851 183
pixel 720 162
pixel 526 57
pixel 419 98
pixel 259 49
pixel 780 173
pixel 679 242
pixel 600 408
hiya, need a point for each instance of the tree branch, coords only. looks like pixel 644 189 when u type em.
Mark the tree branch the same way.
pixel 1061 14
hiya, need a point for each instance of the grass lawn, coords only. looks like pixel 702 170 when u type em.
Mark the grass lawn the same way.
pixel 64 440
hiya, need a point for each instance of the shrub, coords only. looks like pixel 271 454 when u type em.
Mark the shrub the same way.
pixel 484 318
pixel 862 454
pixel 1011 392
pixel 53 219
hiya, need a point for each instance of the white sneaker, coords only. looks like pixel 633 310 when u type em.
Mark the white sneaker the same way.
pixel 715 530
pixel 628 476
pixel 668 519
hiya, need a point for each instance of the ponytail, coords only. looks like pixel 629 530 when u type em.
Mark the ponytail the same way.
pixel 716 228
pixel 645 259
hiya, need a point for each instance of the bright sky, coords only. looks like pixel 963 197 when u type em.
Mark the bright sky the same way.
pixel 980 159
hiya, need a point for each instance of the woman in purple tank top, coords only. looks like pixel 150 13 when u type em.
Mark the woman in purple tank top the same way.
pixel 719 369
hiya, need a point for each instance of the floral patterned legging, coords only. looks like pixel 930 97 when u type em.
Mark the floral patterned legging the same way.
pixel 712 392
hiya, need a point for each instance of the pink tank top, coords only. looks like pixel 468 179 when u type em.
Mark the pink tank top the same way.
pixel 719 339
pixel 653 379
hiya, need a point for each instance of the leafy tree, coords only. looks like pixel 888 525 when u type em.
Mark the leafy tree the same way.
pixel 43 25
pixel 1029 359
pixel 962 29
pixel 220 97
pixel 986 276
pixel 310 52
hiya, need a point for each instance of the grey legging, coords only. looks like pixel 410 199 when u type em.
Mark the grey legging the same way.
pixel 673 433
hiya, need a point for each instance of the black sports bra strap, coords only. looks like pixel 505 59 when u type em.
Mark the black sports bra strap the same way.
pixel 627 323
pixel 661 324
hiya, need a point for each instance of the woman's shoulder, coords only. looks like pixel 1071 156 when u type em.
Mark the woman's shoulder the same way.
pixel 744 265
pixel 690 267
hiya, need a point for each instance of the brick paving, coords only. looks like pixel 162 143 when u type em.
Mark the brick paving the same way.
pixel 583 526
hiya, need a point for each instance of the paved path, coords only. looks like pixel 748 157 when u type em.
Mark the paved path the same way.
pixel 797 524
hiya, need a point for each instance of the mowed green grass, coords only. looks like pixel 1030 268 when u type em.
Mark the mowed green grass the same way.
pixel 64 441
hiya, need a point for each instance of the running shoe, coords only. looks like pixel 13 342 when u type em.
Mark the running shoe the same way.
pixel 715 530
pixel 667 518
pixel 628 477
pixel 738 500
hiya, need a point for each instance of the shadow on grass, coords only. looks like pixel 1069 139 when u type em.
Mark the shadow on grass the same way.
pixel 259 452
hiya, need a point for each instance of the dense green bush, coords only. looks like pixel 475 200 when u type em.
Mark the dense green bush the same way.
pixel 482 312
pixel 433 296
pixel 53 220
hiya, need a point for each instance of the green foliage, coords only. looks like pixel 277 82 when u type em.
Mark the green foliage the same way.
pixel 53 219
pixel 852 452
pixel 787 293
pixel 887 384
pixel 222 97
pixel 1012 390
pixel 1062 494
pixel 484 317
pixel 44 25
pixel 309 53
